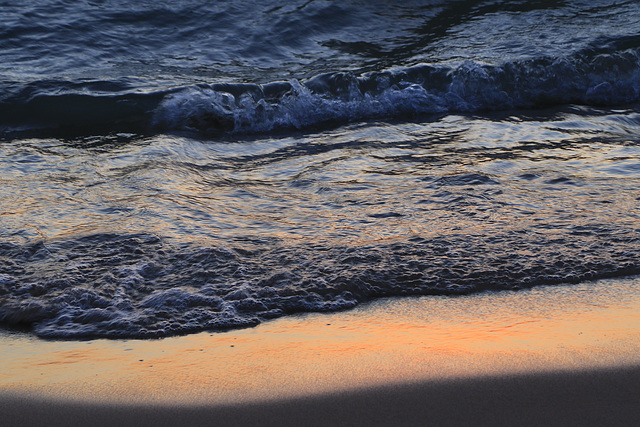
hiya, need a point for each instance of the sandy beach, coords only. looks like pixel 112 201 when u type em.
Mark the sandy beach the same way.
pixel 548 356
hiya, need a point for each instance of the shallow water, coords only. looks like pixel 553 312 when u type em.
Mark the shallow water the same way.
pixel 173 167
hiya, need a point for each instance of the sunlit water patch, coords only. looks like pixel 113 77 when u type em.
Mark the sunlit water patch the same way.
pixel 150 236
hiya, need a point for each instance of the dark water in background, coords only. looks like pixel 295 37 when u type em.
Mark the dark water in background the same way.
pixel 174 166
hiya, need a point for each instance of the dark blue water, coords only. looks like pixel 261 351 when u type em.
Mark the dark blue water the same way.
pixel 172 167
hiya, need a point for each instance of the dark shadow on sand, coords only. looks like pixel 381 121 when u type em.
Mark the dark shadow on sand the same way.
pixel 578 398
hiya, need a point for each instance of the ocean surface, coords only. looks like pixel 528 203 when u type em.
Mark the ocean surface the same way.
pixel 170 167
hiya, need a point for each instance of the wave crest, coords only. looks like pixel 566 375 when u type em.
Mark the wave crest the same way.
pixel 600 79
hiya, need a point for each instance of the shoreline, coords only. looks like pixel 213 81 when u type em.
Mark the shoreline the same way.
pixel 537 350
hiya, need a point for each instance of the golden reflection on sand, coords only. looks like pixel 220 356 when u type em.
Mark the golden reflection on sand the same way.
pixel 389 341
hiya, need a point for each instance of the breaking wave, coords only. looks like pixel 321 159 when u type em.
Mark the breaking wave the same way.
pixel 603 76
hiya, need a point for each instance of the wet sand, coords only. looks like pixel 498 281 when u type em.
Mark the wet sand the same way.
pixel 547 356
